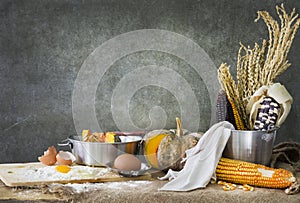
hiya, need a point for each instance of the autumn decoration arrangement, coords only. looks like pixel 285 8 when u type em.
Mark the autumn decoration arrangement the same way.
pixel 255 101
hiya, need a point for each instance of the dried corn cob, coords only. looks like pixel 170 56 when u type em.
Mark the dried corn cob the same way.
pixel 241 172
pixel 237 118
pixel 267 114
pixel 221 107
pixel 226 111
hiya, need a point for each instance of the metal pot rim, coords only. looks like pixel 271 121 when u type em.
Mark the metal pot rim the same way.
pixel 72 138
pixel 257 131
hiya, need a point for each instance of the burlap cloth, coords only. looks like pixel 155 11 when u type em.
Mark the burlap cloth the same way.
pixel 287 155
pixel 287 152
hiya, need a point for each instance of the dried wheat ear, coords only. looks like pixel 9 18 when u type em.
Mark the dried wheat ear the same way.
pixel 260 65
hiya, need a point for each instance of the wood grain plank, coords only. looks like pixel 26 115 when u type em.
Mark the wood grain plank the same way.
pixel 16 174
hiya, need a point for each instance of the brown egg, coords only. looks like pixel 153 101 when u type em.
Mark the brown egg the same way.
pixel 127 162
pixel 49 157
pixel 65 158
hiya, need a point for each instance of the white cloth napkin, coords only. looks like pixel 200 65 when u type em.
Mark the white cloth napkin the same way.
pixel 201 160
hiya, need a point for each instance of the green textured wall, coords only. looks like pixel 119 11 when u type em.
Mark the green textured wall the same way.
pixel 121 65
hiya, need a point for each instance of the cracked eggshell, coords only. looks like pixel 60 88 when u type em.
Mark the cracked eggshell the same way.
pixel 49 157
pixel 65 158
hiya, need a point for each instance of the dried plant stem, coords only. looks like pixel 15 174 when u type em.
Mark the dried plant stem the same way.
pixel 229 86
pixel 280 41
pixel 260 65
pixel 249 70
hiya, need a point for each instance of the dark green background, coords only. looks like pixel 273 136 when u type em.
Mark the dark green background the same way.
pixel 44 43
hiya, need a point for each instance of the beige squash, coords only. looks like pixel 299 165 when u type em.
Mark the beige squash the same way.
pixel 165 149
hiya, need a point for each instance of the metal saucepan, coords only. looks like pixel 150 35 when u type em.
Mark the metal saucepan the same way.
pixel 99 154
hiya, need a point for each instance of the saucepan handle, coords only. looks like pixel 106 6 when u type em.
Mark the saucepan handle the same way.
pixel 65 142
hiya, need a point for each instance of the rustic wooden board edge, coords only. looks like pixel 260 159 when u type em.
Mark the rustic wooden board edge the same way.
pixel 100 180
pixel 113 178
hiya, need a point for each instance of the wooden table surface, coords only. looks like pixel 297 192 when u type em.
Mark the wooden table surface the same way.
pixel 140 191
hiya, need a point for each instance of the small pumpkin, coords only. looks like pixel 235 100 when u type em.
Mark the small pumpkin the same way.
pixel 164 149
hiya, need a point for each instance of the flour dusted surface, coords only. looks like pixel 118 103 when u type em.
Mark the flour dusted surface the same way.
pixel 49 173
pixel 88 187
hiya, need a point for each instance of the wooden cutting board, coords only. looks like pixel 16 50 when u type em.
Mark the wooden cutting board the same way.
pixel 32 174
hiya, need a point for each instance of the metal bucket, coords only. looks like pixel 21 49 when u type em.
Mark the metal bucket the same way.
pixel 251 146
pixel 99 154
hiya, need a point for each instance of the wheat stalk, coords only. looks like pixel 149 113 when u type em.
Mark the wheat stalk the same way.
pixel 280 41
pixel 229 86
pixel 260 65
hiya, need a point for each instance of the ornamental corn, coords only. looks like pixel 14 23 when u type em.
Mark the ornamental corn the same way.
pixel 267 114
pixel 226 111
pixel 221 106
pixel 237 118
pixel 241 172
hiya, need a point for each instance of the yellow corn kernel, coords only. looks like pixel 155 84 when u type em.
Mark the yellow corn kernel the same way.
pixel 241 172
pixel 237 118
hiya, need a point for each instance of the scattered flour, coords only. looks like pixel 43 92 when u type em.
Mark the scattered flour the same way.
pixel 131 184
pixel 49 173
pixel 88 187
